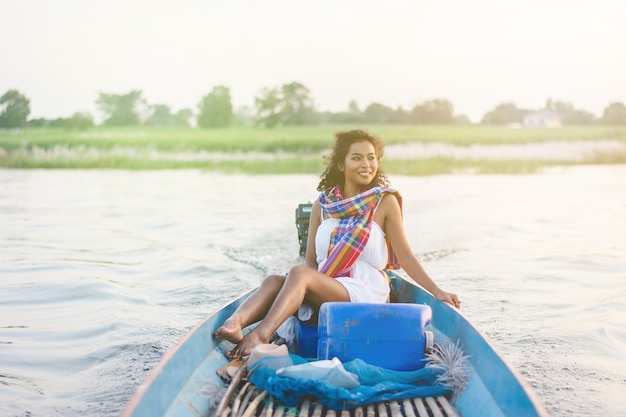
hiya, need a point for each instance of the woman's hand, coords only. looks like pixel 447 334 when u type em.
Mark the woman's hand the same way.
pixel 450 298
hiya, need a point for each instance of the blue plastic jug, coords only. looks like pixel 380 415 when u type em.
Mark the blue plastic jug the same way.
pixel 390 335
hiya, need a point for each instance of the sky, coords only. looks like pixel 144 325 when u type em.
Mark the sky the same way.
pixel 477 54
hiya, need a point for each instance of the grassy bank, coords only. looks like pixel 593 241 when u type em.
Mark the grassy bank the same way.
pixel 300 164
pixel 277 151
pixel 290 139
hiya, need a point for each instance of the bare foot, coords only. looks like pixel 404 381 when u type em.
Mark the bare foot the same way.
pixel 230 330
pixel 246 345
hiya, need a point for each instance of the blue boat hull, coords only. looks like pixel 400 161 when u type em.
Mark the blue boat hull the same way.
pixel 185 382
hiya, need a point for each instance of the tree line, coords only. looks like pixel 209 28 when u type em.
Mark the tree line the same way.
pixel 290 104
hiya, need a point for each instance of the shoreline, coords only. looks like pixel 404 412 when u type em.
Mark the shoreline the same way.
pixel 410 158
pixel 575 151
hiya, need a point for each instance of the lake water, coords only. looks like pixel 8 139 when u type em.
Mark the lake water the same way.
pixel 102 271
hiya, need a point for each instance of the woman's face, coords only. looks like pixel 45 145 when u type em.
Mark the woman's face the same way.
pixel 360 164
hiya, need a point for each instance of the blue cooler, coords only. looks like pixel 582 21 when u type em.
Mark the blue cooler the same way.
pixel 306 339
pixel 390 335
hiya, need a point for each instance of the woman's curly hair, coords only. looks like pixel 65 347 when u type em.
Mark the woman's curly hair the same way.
pixel 333 176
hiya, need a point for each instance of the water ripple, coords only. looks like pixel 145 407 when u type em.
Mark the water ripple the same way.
pixel 103 271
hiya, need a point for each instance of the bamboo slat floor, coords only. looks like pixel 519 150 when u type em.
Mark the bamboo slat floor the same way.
pixel 243 399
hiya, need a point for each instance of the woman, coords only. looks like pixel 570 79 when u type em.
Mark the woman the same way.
pixel 355 233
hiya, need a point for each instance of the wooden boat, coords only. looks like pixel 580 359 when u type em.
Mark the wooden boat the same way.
pixel 185 382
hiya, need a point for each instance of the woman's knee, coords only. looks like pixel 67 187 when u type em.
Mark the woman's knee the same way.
pixel 275 281
pixel 300 273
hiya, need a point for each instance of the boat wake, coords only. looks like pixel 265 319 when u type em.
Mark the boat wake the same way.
pixel 438 254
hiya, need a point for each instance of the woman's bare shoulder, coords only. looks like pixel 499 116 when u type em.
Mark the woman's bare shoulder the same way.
pixel 315 211
pixel 387 208
pixel 316 206
pixel 389 202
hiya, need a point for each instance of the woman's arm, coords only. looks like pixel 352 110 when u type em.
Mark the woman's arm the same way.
pixel 310 257
pixel 393 226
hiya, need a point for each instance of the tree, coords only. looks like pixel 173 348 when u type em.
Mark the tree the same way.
pixel 161 116
pixel 244 116
pixel 268 104
pixel 291 104
pixel 400 116
pixel 216 109
pixel 352 115
pixel 378 113
pixel 182 117
pixel 58 122
pixel 297 105
pixel 39 122
pixel 578 117
pixel 462 119
pixel 614 114
pixel 571 116
pixel 79 121
pixel 353 108
pixel 504 113
pixel 14 109
pixel 121 109
pixel 436 111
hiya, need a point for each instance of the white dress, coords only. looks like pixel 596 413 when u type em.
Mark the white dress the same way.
pixel 368 284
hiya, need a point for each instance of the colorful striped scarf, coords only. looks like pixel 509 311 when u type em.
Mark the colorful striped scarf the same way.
pixel 356 215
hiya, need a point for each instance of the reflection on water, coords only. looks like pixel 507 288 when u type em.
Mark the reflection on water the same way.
pixel 102 271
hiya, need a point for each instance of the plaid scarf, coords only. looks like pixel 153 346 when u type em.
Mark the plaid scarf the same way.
pixel 356 215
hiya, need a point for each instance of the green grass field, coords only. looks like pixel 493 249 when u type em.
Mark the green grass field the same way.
pixel 291 139
pixel 300 147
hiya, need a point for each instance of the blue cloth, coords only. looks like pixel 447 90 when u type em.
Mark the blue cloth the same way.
pixel 376 384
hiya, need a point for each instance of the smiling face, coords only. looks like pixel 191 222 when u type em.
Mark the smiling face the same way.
pixel 351 148
pixel 359 167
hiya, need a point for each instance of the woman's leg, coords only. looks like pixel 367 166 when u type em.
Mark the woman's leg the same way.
pixel 302 284
pixel 253 309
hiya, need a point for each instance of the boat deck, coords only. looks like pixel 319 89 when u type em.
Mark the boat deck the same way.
pixel 243 399
pixel 185 383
